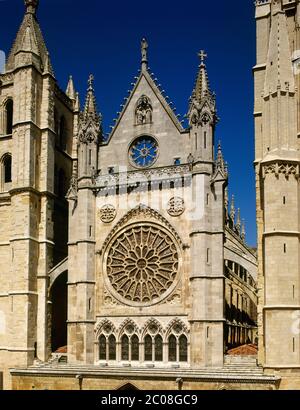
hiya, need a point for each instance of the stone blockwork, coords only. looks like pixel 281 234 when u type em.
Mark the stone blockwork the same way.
pixel 277 131
pixel 95 379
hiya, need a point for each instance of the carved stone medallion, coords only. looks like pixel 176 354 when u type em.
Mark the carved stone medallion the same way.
pixel 107 213
pixel 176 206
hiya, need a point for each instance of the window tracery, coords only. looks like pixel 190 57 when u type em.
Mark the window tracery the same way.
pixel 142 263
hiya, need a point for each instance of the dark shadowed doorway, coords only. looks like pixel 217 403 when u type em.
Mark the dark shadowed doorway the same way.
pixel 59 299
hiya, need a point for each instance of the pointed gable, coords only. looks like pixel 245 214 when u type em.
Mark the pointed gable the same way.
pixel 146 112
pixel 146 86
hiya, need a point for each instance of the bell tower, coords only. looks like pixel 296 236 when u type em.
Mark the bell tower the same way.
pixel 37 138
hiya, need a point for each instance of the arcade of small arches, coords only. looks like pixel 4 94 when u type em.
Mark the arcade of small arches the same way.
pixel 151 344
pixel 240 306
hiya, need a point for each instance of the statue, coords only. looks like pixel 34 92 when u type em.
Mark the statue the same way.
pixel 144 48
pixel 143 111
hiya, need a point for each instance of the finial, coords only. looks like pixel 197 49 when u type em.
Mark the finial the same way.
pixel 232 209
pixel 77 103
pixel 31 6
pixel 144 51
pixel 226 201
pixel 243 234
pixel 202 55
pixel 91 82
pixel 238 221
pixel 70 91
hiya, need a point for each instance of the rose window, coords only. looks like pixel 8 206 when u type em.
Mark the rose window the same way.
pixel 142 263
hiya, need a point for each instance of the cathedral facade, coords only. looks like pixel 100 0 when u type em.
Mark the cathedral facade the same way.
pixel 123 260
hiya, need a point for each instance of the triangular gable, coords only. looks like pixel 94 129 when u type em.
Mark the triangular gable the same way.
pixel 145 76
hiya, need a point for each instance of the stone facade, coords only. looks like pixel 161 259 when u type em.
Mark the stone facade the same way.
pixel 277 134
pixel 120 250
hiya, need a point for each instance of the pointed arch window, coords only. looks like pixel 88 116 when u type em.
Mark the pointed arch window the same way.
pixel 112 348
pixel 172 349
pixel 125 348
pixel 6 172
pixel 148 348
pixel 183 349
pixel 158 341
pixel 9 110
pixel 7 168
pixel 102 347
pixel 135 355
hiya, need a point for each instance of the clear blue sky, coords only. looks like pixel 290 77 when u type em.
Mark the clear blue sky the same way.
pixel 103 37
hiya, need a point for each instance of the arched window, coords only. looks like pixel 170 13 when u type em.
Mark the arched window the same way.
pixel 183 350
pixel 102 347
pixel 148 348
pixel 7 169
pixel 9 109
pixel 158 348
pixel 172 349
pixel 135 348
pixel 112 347
pixel 124 348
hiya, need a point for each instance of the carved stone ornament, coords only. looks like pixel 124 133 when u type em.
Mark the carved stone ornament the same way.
pixel 107 213
pixel 176 206
pixel 142 263
pixel 283 168
pixel 143 112
pixel 89 131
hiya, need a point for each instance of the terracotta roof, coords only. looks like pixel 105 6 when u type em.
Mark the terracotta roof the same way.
pixel 245 350
pixel 63 349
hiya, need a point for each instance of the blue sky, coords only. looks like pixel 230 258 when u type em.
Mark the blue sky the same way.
pixel 104 38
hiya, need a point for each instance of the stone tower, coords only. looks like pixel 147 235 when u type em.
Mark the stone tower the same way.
pixel 36 128
pixel 277 132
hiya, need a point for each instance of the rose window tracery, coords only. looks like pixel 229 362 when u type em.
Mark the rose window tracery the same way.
pixel 142 263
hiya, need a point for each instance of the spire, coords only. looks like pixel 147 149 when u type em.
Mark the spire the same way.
pixel 90 108
pixel 71 89
pixel 29 46
pixel 202 103
pixel 226 201
pixel 232 209
pixel 77 103
pixel 220 166
pixel 220 160
pixel 238 221
pixel 31 6
pixel 144 51
pixel 243 233
pixel 90 120
pixel 202 84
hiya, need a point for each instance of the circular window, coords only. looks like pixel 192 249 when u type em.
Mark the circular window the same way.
pixel 143 151
pixel 142 264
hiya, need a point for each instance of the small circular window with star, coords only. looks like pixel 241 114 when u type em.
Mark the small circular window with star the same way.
pixel 143 151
